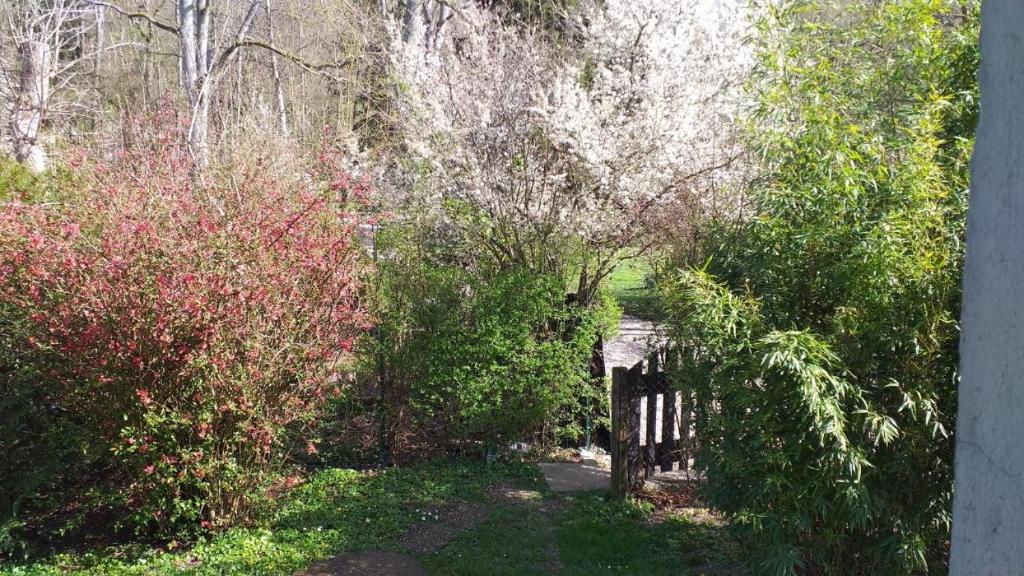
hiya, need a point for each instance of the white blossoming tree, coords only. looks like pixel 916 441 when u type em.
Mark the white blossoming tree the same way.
pixel 555 153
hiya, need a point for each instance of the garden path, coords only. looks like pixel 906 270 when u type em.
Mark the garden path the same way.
pixel 636 338
pixel 373 563
pixel 588 474
pixel 443 526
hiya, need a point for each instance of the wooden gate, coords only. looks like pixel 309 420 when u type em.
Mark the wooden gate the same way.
pixel 633 462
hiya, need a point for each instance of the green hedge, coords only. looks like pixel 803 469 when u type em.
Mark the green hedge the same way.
pixel 483 355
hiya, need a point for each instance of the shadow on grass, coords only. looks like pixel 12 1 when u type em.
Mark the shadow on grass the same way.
pixel 585 534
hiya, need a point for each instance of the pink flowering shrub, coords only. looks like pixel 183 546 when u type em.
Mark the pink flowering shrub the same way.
pixel 186 325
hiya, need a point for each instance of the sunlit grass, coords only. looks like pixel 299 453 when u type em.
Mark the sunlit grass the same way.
pixel 632 285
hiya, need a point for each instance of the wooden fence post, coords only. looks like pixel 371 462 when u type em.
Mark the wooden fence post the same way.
pixel 650 453
pixel 620 436
pixel 668 417
pixel 634 384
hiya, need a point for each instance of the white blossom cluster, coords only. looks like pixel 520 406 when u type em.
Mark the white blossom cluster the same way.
pixel 578 137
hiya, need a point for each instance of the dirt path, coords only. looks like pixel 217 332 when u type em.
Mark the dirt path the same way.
pixel 438 527
pixel 574 476
pixel 550 511
pixel 374 563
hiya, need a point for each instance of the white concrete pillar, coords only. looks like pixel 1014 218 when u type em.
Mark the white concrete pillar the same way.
pixel 988 507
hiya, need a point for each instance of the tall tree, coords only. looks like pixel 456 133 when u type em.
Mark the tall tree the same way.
pixel 46 36
pixel 561 151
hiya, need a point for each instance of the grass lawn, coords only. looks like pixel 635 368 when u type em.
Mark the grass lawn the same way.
pixel 534 531
pixel 631 283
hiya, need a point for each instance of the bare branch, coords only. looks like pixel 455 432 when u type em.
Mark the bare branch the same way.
pixel 140 16
pixel 317 68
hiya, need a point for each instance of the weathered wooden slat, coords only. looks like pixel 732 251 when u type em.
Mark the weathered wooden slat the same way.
pixel 656 383
pixel 650 454
pixel 634 459
pixel 668 454
pixel 620 436
pixel 668 434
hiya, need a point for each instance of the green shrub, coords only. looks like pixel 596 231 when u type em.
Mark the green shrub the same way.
pixel 483 355
pixel 16 180
pixel 823 330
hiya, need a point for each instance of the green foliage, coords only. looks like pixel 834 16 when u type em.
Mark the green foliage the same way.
pixel 19 183
pixel 492 355
pixel 823 329
pixel 601 536
pixel 15 180
pixel 633 286
pixel 37 439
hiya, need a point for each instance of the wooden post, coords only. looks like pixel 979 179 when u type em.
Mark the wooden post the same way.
pixel 620 437
pixel 650 453
pixel 668 416
pixel 634 384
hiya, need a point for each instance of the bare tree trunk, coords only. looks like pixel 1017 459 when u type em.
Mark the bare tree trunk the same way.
pixel 100 16
pixel 204 89
pixel 203 35
pixel 30 103
pixel 435 14
pixel 194 42
pixel 412 21
pixel 192 75
pixel 188 49
pixel 282 111
pixel 199 65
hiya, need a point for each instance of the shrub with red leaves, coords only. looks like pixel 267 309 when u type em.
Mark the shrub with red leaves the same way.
pixel 186 324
